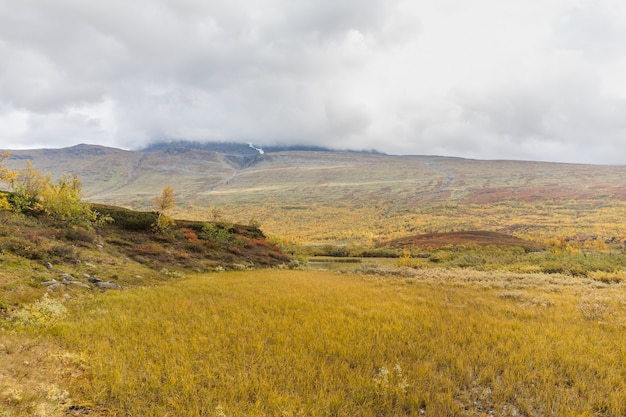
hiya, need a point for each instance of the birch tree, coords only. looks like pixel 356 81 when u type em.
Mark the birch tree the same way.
pixel 163 205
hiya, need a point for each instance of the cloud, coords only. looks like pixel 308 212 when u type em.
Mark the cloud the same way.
pixel 515 80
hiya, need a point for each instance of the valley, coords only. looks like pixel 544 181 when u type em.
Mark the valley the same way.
pixel 315 283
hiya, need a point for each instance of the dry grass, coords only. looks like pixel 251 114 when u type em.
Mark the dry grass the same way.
pixel 35 375
pixel 382 342
pixel 355 222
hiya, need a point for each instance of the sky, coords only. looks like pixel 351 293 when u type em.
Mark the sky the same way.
pixel 515 79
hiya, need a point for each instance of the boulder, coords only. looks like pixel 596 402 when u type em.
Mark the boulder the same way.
pixel 77 283
pixel 106 285
pixel 93 279
pixel 67 277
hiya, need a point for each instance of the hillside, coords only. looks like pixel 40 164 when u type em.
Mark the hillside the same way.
pixel 317 196
pixel 37 254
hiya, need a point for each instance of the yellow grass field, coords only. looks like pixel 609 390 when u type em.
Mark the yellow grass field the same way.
pixel 457 330
pixel 320 343
pixel 363 225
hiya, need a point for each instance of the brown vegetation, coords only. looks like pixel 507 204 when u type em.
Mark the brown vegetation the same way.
pixel 481 238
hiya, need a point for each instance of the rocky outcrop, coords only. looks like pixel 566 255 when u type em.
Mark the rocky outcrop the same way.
pixel 70 280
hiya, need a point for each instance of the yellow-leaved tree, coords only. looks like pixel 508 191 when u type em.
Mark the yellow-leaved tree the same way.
pixel 7 176
pixel 62 200
pixel 33 192
pixel 163 205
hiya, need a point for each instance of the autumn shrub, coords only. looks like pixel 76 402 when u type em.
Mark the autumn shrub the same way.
pixel 63 251
pixel 39 314
pixel 235 250
pixel 330 250
pixel 33 193
pixel 607 277
pixel 217 232
pixel 379 253
pixel 119 241
pixel 581 264
pixel 22 247
pixel 262 242
pixel 607 266
pixel 80 234
pixel 127 219
pixel 181 255
pixel 25 204
pixel 189 234
pixel 151 249
pixel 196 246
pixel 4 202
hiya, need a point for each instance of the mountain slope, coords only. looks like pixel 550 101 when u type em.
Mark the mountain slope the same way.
pixel 317 196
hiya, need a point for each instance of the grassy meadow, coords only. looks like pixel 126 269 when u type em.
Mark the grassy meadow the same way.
pixel 364 225
pixel 320 343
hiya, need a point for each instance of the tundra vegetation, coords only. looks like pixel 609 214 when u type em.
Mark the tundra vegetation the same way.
pixel 256 343
pixel 32 192
pixel 396 328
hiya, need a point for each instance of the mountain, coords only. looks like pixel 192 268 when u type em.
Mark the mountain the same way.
pixel 230 148
pixel 341 196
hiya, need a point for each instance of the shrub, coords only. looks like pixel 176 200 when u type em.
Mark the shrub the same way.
pixel 196 246
pixel 127 219
pixel 80 234
pixel 593 308
pixel 152 249
pixel 189 234
pixel 331 250
pixel 4 202
pixel 40 313
pixel 607 277
pixel 216 232
pixel 380 253
pixel 63 251
pixel 23 248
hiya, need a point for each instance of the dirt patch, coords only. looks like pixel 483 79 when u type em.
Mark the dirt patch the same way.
pixel 482 238
pixel 34 376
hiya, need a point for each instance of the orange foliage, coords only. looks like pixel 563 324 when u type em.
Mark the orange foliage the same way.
pixel 190 235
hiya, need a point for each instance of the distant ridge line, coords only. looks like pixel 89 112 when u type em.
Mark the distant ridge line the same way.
pixel 242 149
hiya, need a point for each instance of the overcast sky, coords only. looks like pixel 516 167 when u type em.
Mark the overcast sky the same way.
pixel 487 79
